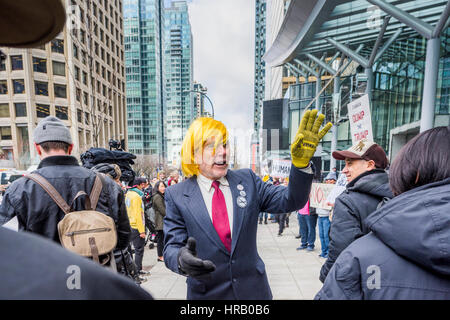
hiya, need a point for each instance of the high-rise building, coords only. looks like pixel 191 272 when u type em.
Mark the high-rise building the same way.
pixel 260 71
pixel 78 77
pixel 144 36
pixel 199 100
pixel 179 77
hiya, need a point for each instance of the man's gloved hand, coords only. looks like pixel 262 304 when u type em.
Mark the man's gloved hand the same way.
pixel 192 266
pixel 307 138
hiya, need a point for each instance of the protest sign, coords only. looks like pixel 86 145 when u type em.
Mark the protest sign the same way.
pixel 319 194
pixel 280 168
pixel 360 119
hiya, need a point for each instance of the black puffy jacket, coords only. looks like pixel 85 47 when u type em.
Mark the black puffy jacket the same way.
pixel 351 208
pixel 36 211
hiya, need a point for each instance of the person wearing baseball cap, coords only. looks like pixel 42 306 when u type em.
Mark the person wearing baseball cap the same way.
pixel 367 187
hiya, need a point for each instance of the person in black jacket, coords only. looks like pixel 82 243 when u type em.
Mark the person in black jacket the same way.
pixel 159 206
pixel 406 254
pixel 35 268
pixel 32 267
pixel 36 211
pixel 365 165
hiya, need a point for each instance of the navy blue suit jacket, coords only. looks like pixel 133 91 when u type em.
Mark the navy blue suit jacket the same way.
pixel 240 274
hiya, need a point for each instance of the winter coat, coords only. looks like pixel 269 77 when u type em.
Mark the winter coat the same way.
pixel 101 155
pixel 34 268
pixel 135 209
pixel 159 206
pixel 36 211
pixel 407 254
pixel 351 208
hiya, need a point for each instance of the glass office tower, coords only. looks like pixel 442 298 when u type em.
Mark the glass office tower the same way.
pixel 144 33
pixel 179 77
pixel 260 49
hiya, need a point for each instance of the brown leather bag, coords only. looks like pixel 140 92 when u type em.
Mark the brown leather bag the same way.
pixel 89 233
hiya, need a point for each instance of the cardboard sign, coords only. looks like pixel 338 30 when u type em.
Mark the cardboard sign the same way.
pixel 360 119
pixel 281 168
pixel 319 194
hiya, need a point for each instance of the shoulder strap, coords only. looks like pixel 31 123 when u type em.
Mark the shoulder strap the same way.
pixel 96 190
pixel 40 180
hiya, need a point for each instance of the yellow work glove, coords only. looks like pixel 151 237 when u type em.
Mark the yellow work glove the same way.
pixel 307 138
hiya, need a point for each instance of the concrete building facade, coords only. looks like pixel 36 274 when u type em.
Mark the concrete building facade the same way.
pixel 79 77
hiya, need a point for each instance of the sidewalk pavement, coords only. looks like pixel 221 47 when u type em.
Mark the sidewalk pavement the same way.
pixel 292 274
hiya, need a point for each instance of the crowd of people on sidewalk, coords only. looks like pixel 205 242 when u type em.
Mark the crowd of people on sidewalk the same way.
pixel 386 233
pixel 368 223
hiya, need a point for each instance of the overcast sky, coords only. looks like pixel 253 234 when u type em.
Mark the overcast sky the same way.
pixel 223 33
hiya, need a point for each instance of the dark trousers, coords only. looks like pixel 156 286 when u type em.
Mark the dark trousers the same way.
pixel 160 242
pixel 281 222
pixel 138 244
pixel 263 215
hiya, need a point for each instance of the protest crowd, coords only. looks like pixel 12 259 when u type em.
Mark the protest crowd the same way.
pixel 84 224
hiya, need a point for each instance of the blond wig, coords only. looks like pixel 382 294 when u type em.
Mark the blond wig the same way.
pixel 200 131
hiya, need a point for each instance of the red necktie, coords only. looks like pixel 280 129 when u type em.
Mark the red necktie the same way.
pixel 220 216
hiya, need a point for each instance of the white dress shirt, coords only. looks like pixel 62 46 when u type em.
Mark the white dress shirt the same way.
pixel 207 190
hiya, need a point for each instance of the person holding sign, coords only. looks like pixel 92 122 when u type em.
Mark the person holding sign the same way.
pixel 365 164
pixel 212 217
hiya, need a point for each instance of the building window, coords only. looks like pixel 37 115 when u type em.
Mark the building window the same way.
pixel 75 51
pixel 60 91
pixel 62 112
pixel 78 95
pixel 39 65
pixel 77 73
pixel 4 110
pixel 41 88
pixel 2 63
pixel 84 78
pixel 58 46
pixel 5 133
pixel 21 109
pixel 79 115
pixel 59 68
pixel 42 110
pixel 86 117
pixel 3 87
pixel 18 86
pixel 16 62
pixel 85 98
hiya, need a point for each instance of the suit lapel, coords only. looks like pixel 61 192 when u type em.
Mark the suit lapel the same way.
pixel 197 208
pixel 238 212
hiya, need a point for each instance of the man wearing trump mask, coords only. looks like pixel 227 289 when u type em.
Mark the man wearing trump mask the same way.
pixel 212 217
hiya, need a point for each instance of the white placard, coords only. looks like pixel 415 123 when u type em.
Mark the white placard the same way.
pixel 319 194
pixel 281 168
pixel 360 119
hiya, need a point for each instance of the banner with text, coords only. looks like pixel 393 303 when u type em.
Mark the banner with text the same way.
pixel 319 194
pixel 360 119
pixel 280 168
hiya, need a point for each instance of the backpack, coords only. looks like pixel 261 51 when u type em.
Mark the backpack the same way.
pixel 89 233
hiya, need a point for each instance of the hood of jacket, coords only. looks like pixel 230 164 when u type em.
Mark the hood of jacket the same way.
pixel 416 225
pixel 374 182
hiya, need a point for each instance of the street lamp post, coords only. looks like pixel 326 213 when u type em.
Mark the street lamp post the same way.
pixel 203 94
